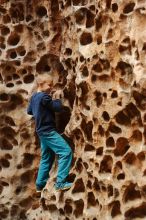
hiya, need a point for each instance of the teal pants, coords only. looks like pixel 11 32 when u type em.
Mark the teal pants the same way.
pixel 52 144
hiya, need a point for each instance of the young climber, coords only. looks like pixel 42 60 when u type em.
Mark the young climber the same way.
pixel 43 109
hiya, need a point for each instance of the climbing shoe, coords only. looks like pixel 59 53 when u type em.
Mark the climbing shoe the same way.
pixel 63 186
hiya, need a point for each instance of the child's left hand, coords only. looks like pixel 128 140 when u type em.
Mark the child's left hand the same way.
pixel 57 94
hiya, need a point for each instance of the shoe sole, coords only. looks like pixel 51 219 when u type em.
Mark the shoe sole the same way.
pixel 61 189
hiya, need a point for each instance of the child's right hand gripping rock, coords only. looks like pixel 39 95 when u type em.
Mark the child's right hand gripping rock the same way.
pixel 57 94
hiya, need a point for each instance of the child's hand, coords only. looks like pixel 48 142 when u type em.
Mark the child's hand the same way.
pixel 57 94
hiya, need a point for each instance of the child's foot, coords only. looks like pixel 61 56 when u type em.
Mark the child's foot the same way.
pixel 63 186
pixel 39 190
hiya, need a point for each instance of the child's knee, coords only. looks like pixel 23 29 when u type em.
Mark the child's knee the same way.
pixel 68 151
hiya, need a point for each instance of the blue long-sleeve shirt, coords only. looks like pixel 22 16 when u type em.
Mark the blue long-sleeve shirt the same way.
pixel 43 109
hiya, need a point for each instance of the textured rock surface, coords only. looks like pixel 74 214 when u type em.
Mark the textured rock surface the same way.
pixel 97 52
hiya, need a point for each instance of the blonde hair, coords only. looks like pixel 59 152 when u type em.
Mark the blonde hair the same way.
pixel 39 80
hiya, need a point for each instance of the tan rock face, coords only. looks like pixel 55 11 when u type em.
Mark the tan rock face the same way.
pixel 96 51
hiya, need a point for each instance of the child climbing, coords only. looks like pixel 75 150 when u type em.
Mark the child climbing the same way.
pixel 43 109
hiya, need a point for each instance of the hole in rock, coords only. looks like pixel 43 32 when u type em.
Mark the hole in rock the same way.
pixel 71 177
pixel 105 63
pixel 110 142
pixel 22 214
pixel 98 23
pixel 4 97
pixel 17 12
pixel 13 39
pixel 10 85
pixel 19 82
pixel 19 28
pixel 122 146
pixel 122 118
pixel 144 47
pixel 96 185
pixel 5 30
pixel 93 78
pixel 5 163
pixel 62 119
pixel 128 8
pixel 8 132
pixel 18 190
pixel 9 78
pixel 136 212
pixel 89 184
pixel 110 190
pixel 79 207
pixel 115 208
pixel 4 212
pixel 13 55
pixel 86 38
pixel 28 78
pixel 91 199
pixel 99 39
pixel 14 210
pixel 29 18
pixel 98 98
pixel 6 19
pixel 106 164
pixel 97 68
pixel 114 94
pixel 68 208
pixel 131 193
pixel 52 207
pixel 121 176
pixel 140 99
pixel 114 7
pixel 46 33
pixel 78 186
pixel 79 166
pixel 105 115
pixel 131 110
pixel 89 147
pixel 114 129
pixel 87 128
pixel 104 77
pixel 80 15
pixel 42 65
pixel 26 203
pixel 15 76
pixel 141 156
pixel 85 71
pixel 21 51
pixel 130 158
pixel 2 10
pixel 28 159
pixel 108 3
pixel 136 136
pixel 8 156
pixel 99 151
pixel 68 51
pixel 125 68
pixel 90 19
pixel 79 2
pixel 5 144
pixel 82 58
pixel 26 177
pixel 41 11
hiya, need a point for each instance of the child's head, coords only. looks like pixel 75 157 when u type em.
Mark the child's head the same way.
pixel 44 82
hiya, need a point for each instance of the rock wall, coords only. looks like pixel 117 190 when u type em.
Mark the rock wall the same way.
pixel 96 51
